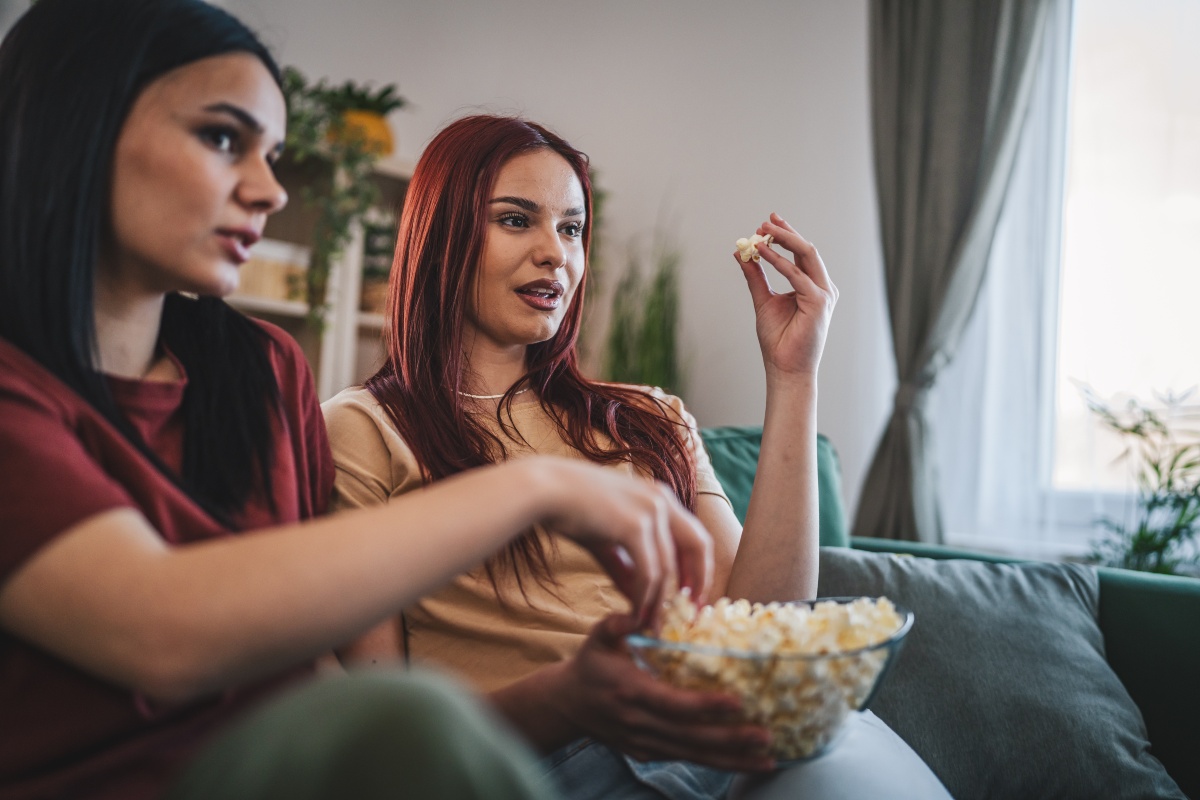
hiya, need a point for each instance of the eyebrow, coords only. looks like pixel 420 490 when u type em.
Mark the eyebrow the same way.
pixel 532 207
pixel 243 116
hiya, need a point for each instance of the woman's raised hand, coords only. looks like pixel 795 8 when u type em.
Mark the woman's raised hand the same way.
pixel 603 694
pixel 635 528
pixel 791 325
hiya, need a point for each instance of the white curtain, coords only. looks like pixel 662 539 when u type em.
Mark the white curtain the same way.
pixel 990 409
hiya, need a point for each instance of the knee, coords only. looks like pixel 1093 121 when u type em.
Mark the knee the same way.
pixel 424 730
pixel 406 709
pixel 365 736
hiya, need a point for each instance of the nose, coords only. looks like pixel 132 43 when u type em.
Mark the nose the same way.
pixel 259 189
pixel 550 250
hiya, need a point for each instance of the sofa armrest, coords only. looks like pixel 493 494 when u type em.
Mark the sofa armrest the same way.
pixel 1151 626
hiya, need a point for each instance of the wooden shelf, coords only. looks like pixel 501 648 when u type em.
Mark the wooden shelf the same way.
pixel 348 347
pixel 268 305
pixel 393 167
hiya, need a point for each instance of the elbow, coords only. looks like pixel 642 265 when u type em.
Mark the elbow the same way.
pixel 170 672
pixel 160 680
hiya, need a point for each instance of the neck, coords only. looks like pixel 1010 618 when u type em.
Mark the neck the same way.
pixel 491 369
pixel 127 331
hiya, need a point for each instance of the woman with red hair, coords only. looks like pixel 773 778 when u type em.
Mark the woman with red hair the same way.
pixel 484 311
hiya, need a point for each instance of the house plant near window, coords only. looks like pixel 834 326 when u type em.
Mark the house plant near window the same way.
pixel 1166 463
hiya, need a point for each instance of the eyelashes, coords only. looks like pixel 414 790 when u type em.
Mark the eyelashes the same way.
pixel 513 219
pixel 516 219
pixel 222 138
pixel 229 140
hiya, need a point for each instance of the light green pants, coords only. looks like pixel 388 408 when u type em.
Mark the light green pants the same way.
pixel 365 736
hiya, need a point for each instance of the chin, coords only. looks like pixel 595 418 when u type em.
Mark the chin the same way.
pixel 544 335
pixel 223 284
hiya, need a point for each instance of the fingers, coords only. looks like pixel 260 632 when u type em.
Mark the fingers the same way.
pixel 694 551
pixel 781 222
pixel 667 558
pixel 694 726
pixel 638 532
pixel 612 630
pixel 808 260
pixel 638 570
pixel 617 702
pixel 756 279
pixel 665 722
pixel 621 567
pixel 683 553
pixel 800 282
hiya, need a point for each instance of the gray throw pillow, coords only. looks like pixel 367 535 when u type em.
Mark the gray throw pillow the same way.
pixel 1002 685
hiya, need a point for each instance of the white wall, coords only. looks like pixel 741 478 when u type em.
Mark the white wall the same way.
pixel 9 11
pixel 700 114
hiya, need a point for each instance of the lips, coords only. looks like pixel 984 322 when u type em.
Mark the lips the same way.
pixel 542 294
pixel 236 242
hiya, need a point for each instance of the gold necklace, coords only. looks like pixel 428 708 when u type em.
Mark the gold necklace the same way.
pixel 492 396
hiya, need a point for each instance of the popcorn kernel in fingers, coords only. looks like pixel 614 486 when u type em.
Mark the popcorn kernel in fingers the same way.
pixel 747 249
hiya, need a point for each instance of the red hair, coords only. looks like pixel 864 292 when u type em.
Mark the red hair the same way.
pixel 440 243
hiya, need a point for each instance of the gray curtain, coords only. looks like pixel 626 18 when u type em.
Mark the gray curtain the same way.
pixel 950 82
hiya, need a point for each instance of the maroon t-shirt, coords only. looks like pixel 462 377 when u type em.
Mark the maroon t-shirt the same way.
pixel 63 732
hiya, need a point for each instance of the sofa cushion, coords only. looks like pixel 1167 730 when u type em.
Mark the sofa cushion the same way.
pixel 1002 685
pixel 734 454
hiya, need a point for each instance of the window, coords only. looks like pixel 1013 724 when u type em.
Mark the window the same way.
pixel 1094 277
pixel 1130 277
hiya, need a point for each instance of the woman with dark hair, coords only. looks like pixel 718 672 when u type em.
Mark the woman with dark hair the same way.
pixel 163 458
pixel 484 311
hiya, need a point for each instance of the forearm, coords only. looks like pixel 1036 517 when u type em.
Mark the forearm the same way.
pixel 777 555
pixel 182 621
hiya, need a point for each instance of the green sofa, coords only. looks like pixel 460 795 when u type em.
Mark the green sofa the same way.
pixel 1149 635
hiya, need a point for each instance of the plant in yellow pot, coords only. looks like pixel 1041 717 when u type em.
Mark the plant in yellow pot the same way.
pixel 344 127
pixel 361 112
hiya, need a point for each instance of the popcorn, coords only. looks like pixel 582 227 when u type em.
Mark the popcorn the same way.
pixel 746 247
pixel 798 669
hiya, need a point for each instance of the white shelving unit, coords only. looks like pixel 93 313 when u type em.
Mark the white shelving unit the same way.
pixel 347 349
pixel 268 306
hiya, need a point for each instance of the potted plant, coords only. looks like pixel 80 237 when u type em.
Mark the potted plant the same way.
pixel 360 112
pixel 324 124
pixel 1167 471
pixel 642 345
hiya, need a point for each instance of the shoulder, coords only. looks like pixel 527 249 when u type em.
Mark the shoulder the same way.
pixel 281 347
pixel 58 458
pixel 372 459
pixel 292 372
pixel 654 399
pixel 355 403
pixel 356 419
pixel 27 384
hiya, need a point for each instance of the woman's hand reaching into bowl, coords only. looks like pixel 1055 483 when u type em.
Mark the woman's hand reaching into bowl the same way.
pixel 637 530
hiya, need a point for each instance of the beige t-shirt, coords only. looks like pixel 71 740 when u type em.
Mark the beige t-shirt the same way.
pixel 463 628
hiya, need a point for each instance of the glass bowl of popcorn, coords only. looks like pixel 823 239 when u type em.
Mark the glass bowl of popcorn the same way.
pixel 800 668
